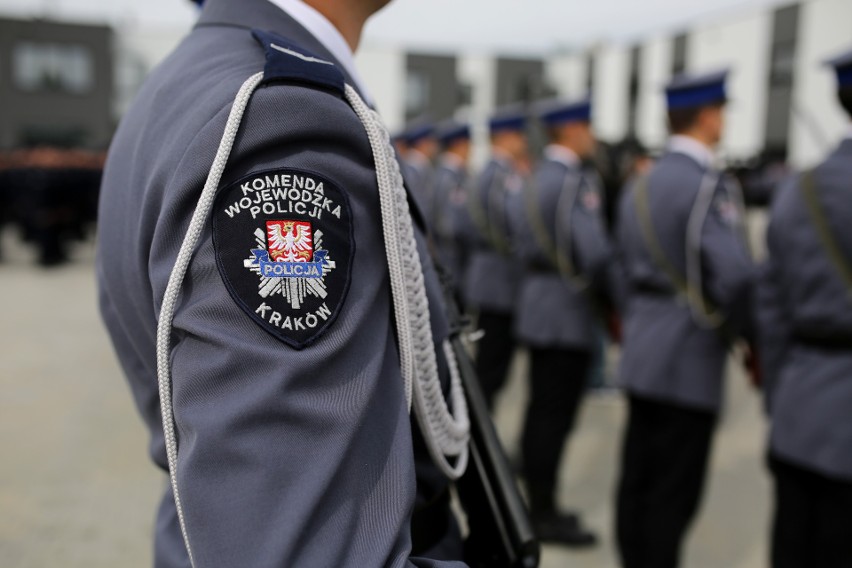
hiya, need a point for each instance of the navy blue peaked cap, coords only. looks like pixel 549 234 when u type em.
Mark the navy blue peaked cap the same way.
pixel 508 118
pixel 692 91
pixel 555 112
pixel 417 130
pixel 842 64
pixel 451 131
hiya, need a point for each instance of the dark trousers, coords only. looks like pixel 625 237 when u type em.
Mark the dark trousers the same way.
pixel 813 518
pixel 557 384
pixel 494 353
pixel 663 467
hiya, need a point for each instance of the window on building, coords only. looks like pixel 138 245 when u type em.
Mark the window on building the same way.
pixel 52 67
pixel 417 92
pixel 679 54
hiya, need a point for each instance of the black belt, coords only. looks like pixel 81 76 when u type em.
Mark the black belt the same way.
pixel 646 289
pixel 823 341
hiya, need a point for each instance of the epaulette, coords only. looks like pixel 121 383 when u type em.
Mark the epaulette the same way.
pixel 290 63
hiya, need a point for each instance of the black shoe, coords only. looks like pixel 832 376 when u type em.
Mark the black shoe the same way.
pixel 565 529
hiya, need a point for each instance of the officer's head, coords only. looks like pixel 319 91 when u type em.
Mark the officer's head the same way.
pixel 842 65
pixel 696 106
pixel 508 130
pixel 366 7
pixel 420 136
pixel 454 138
pixel 570 124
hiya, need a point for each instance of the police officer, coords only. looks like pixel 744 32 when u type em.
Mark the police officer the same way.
pixel 493 274
pixel 805 330
pixel 418 163
pixel 562 239
pixel 450 198
pixel 689 277
pixel 245 271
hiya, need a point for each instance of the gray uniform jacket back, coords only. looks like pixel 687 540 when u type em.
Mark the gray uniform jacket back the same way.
pixel 667 355
pixel 288 456
pixel 554 312
pixel 805 319
pixel 420 177
pixel 492 278
pixel 448 217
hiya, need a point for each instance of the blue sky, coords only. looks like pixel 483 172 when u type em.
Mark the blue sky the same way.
pixel 488 25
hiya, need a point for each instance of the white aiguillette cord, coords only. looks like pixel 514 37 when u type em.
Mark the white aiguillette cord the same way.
pixel 446 435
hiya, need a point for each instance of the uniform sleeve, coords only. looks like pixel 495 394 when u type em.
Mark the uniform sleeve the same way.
pixel 729 273
pixel 294 440
pixel 774 324
pixel 595 254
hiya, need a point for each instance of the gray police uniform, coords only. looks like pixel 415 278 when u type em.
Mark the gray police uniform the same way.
pixel 493 275
pixel 688 356
pixel 295 447
pixel 562 241
pixel 673 361
pixel 420 177
pixel 450 201
pixel 805 331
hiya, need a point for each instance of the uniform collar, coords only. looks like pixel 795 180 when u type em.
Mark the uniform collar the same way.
pixel 264 15
pixel 417 158
pixel 501 157
pixel 693 148
pixel 325 33
pixel 452 162
pixel 563 155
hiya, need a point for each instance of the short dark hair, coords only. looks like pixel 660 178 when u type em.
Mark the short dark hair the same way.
pixel 844 94
pixel 553 133
pixel 682 119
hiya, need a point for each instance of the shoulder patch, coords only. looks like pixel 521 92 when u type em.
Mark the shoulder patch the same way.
pixel 590 200
pixel 726 210
pixel 284 248
pixel 288 62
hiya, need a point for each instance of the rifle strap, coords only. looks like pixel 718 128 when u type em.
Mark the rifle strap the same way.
pixel 699 304
pixel 559 257
pixel 482 216
pixel 823 229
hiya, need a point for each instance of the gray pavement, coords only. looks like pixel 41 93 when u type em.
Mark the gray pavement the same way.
pixel 77 489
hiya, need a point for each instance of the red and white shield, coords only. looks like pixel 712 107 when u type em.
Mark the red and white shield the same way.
pixel 289 241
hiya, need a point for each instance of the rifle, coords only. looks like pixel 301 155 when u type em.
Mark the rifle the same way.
pixel 500 532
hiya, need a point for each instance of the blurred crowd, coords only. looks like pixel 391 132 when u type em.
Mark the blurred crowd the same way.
pixel 552 247
pixel 50 197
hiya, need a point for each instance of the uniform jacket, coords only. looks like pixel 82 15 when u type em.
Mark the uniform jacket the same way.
pixel 667 354
pixel 802 305
pixel 493 275
pixel 556 311
pixel 288 456
pixel 420 176
pixel 450 202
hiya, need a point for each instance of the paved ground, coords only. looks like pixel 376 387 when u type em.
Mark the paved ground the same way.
pixel 76 489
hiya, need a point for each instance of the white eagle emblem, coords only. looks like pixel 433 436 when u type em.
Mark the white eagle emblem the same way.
pixel 286 242
pixel 289 241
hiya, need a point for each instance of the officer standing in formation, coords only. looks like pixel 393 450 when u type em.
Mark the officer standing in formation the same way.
pixel 493 274
pixel 564 245
pixel 243 271
pixel 689 280
pixel 418 163
pixel 450 197
pixel 805 318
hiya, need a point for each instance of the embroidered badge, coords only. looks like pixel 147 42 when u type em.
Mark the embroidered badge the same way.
pixel 591 200
pixel 727 211
pixel 283 242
